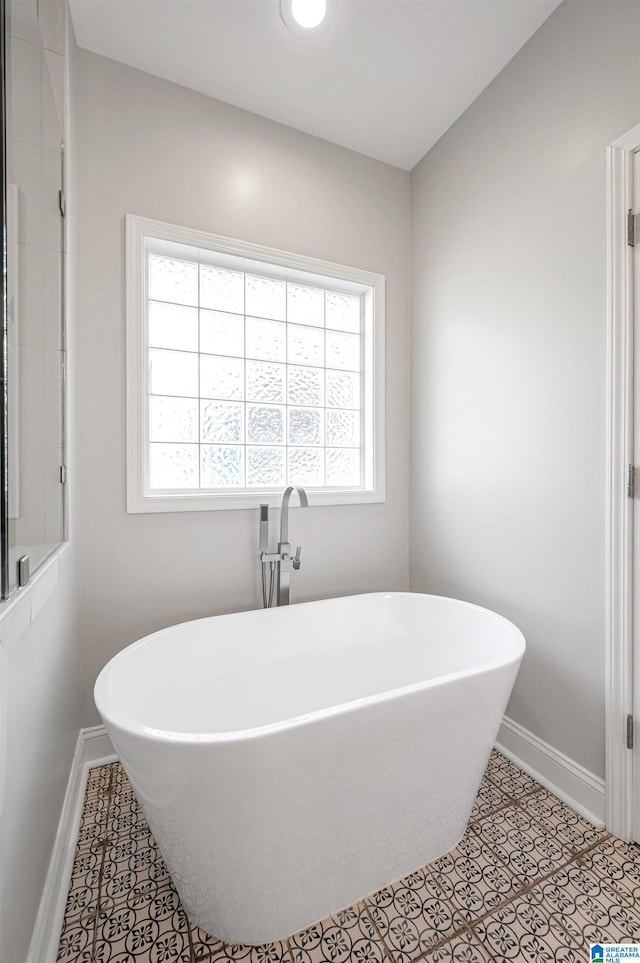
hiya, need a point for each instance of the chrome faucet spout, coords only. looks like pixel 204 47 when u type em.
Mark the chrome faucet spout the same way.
pixel 284 516
pixel 287 562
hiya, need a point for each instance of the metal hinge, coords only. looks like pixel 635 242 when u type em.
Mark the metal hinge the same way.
pixel 61 203
pixel 633 227
pixel 631 481
pixel 629 732
pixel 63 474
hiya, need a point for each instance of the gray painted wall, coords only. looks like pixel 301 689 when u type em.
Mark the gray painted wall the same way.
pixel 509 358
pixel 151 148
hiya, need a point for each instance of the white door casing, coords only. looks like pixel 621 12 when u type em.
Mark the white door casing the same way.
pixel 621 452
pixel 634 208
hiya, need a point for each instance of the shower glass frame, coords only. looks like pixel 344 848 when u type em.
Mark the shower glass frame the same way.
pixel 31 367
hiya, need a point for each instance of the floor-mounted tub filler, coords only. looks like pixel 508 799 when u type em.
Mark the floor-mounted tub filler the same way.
pixel 292 760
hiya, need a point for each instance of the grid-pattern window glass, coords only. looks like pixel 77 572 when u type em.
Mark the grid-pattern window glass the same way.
pixel 254 379
pixel 249 369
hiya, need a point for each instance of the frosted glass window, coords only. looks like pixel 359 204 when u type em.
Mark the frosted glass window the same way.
pixel 221 466
pixel 343 389
pixel 173 280
pixel 266 340
pixel 221 377
pixel 173 373
pixel 221 333
pixel 343 428
pixel 305 426
pixel 305 345
pixel 173 466
pixel 266 298
pixel 221 290
pixel 343 350
pixel 266 467
pixel 173 419
pixel 266 381
pixel 343 466
pixel 305 305
pixel 306 385
pixel 252 380
pixel 173 326
pixel 343 312
pixel 307 465
pixel 265 424
pixel 221 421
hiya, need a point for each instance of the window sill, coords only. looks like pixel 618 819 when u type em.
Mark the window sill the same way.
pixel 244 500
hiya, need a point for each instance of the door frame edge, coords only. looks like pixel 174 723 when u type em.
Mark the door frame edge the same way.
pixel 619 516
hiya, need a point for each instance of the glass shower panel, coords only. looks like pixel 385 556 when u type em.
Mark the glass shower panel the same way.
pixel 34 509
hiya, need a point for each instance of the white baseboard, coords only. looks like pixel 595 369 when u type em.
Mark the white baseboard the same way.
pixel 567 779
pixel 92 748
pixel 96 746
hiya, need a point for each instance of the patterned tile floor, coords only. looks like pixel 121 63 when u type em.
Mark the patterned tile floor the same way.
pixel 530 880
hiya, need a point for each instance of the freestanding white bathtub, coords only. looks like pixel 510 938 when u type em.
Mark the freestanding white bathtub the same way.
pixel 292 760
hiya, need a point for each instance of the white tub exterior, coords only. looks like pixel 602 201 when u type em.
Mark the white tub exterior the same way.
pixel 292 760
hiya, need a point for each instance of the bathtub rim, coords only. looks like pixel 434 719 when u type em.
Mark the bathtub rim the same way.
pixel 131 727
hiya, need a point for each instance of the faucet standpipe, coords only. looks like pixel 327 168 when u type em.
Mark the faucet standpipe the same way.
pixel 281 562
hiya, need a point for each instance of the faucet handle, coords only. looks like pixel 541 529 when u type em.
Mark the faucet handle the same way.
pixel 296 559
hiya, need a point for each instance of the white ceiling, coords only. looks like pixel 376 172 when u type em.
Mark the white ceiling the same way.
pixel 383 77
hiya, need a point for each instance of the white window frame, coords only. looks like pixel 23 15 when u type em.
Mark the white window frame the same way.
pixel 139 499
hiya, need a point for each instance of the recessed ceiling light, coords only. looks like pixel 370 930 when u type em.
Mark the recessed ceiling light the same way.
pixel 303 15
